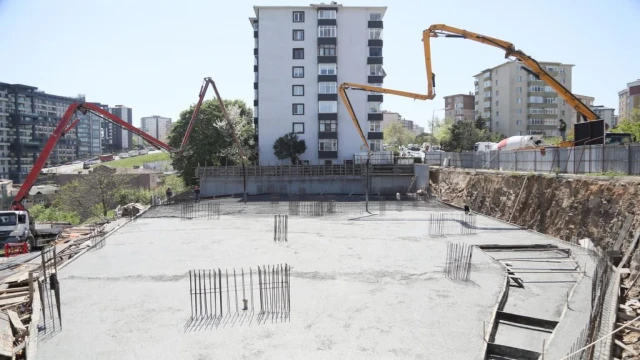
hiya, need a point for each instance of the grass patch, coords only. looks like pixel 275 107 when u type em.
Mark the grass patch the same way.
pixel 137 160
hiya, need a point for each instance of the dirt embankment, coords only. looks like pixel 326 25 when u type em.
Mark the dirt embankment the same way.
pixel 561 206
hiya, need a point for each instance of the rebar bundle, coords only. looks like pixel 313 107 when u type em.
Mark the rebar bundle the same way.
pixel 441 224
pixel 280 227
pixel 209 211
pixel 217 294
pixel 458 263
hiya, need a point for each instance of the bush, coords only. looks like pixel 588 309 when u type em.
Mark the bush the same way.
pixel 43 214
pixel 132 195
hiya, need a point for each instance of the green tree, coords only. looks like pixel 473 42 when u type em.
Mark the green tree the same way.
pixel 481 124
pixel 42 213
pixel 422 138
pixel 396 135
pixel 92 194
pixel 289 147
pixel 210 142
pixel 630 124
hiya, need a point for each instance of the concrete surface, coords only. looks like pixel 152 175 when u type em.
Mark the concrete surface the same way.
pixel 369 287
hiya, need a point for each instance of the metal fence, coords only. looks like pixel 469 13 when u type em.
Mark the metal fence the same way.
pixel 593 159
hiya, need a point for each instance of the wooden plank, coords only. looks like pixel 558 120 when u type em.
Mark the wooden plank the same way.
pixel 15 322
pixel 13 301
pixel 13 290
pixel 13 295
pixel 624 346
pixel 6 336
pixel 629 251
pixel 623 232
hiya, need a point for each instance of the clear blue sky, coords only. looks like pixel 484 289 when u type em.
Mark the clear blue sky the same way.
pixel 151 55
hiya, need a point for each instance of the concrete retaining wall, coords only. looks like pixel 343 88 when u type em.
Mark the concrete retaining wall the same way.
pixel 346 184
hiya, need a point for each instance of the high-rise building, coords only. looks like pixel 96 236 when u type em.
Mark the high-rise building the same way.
pixel 606 114
pixel 629 99
pixel 460 107
pixel 517 103
pixel 122 139
pixel 299 64
pixel 156 126
pixel 28 117
pixel 89 134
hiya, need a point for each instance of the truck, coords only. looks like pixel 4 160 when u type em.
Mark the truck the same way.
pixel 17 226
pixel 106 157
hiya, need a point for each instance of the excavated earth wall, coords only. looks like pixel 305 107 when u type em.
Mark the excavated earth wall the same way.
pixel 563 206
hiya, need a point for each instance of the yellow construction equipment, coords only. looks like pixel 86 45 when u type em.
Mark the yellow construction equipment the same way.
pixel 530 65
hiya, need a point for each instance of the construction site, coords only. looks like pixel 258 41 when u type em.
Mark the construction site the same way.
pixel 459 257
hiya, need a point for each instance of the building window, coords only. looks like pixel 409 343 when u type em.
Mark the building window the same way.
pixel 327 14
pixel 497 113
pixel 298 72
pixel 328 125
pixel 497 124
pixel 298 16
pixel 327 50
pixel 376 70
pixel 497 102
pixel 298 53
pixel 297 90
pixel 327 87
pixel 375 92
pixel 518 122
pixel 298 128
pixel 327 107
pixel 487 83
pixel 327 31
pixel 497 92
pixel 375 145
pixel 255 93
pixel 375 51
pixel 327 69
pixel 374 107
pixel 496 82
pixel 375 16
pixel 519 111
pixel 298 35
pixel 375 126
pixel 328 145
pixel 519 78
pixel 255 26
pixel 298 109
pixel 519 101
pixel 375 34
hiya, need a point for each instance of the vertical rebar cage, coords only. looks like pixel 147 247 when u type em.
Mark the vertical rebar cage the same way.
pixel 215 294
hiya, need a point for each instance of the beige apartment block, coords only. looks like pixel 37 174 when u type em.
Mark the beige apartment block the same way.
pixel 515 102
pixel 629 99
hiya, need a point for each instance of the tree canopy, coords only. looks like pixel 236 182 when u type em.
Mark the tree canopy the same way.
pixel 630 124
pixel 210 142
pixel 396 135
pixel 289 147
pixel 462 135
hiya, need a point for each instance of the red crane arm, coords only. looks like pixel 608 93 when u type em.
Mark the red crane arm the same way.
pixel 63 127
pixel 203 91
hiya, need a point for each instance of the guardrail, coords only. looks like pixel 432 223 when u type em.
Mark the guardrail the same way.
pixel 295 171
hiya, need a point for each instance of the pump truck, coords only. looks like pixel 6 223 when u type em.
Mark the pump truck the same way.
pixel 18 226
pixel 529 65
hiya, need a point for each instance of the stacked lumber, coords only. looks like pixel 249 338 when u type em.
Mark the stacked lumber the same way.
pixel 15 316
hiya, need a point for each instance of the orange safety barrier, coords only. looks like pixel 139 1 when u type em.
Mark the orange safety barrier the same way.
pixel 11 249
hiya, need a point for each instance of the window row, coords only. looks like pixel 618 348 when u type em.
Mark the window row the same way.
pixel 324 107
pixel 324 87
pixel 299 16
pixel 323 69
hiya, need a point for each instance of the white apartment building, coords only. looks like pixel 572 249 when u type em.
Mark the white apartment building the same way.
pixel 156 126
pixel 302 54
pixel 516 103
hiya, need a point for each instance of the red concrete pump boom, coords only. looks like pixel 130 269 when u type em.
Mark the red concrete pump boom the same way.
pixel 203 91
pixel 64 126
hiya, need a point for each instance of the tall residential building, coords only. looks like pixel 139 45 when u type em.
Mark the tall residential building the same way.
pixel 121 138
pixel 28 116
pixel 460 107
pixel 606 114
pixel 90 126
pixel 629 99
pixel 299 64
pixel 156 126
pixel 519 104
